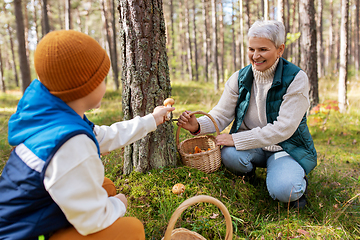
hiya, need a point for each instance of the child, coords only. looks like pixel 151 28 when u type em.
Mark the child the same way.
pixel 53 184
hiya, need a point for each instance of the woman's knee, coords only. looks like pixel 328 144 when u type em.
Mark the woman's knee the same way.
pixel 286 190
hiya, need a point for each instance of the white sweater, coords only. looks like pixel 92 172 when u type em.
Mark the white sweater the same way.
pixel 254 131
pixel 75 174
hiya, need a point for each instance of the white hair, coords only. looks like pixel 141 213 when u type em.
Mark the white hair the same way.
pixel 269 29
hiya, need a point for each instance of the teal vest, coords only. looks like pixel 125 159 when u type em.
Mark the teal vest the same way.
pixel 300 145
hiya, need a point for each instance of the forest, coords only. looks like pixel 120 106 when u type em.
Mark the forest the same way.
pixel 187 50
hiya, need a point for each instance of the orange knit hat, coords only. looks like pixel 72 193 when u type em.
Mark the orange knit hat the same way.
pixel 70 64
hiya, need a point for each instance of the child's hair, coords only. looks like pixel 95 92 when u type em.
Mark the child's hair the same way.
pixel 270 29
pixel 70 64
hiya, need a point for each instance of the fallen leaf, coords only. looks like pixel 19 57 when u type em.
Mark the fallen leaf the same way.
pixel 301 231
pixel 214 215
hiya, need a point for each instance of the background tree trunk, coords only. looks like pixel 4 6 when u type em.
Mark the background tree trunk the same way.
pixel 357 38
pixel 196 72
pixel 214 51
pixel 68 24
pixel 233 34
pixel 342 95
pixel 206 40
pixel 45 18
pixel 188 40
pixel 221 43
pixel 241 35
pixel 308 47
pixel 13 65
pixel 24 64
pixel 320 49
pixel 146 81
pixel 2 83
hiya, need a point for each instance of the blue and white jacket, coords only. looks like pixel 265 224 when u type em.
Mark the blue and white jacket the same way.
pixel 41 124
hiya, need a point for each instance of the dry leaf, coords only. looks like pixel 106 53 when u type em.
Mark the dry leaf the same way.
pixel 307 234
pixel 214 215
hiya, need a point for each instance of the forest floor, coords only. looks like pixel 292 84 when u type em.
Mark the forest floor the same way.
pixel 333 209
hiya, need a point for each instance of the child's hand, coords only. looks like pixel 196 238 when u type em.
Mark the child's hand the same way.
pixel 160 112
pixel 122 198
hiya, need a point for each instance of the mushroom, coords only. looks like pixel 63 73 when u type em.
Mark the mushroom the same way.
pixel 168 103
pixel 178 188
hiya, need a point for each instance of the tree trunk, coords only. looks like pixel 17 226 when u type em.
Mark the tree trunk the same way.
pixel 215 66
pixel 172 35
pixel 45 18
pixel 182 39
pixel 234 48
pixel 221 43
pixel 2 83
pixel 342 95
pixel 24 64
pixel 195 43
pixel 35 25
pixel 241 35
pixel 206 40
pixel 320 49
pixel 188 40
pixel 111 44
pixel 329 61
pixel 16 78
pixel 114 42
pixel 68 24
pixel 308 47
pixel 266 9
pixel 357 38
pixel 146 81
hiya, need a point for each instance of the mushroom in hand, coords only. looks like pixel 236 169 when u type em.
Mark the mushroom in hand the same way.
pixel 168 103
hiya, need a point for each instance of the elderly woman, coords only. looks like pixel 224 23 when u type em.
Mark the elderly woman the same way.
pixel 267 100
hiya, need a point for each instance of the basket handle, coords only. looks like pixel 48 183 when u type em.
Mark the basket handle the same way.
pixel 193 200
pixel 192 113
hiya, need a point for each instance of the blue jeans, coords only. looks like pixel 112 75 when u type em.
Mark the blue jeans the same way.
pixel 285 177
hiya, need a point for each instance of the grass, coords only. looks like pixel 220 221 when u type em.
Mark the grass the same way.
pixel 333 211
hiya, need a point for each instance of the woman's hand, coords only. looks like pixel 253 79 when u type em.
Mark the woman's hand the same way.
pixel 188 122
pixel 225 139
pixel 122 198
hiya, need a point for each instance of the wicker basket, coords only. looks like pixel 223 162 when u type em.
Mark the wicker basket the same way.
pixel 185 234
pixel 208 161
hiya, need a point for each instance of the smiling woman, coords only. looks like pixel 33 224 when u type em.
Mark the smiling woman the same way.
pixel 267 103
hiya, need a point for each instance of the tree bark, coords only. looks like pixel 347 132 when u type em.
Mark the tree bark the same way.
pixel 196 72
pixel 221 43
pixel 114 44
pixel 45 18
pixel 241 35
pixel 266 9
pixel 234 47
pixel 342 93
pixel 2 82
pixel 357 38
pixel 13 65
pixel 308 47
pixel 146 81
pixel 188 40
pixel 215 66
pixel 172 35
pixel 68 24
pixel 320 48
pixel 24 64
pixel 35 25
pixel 206 40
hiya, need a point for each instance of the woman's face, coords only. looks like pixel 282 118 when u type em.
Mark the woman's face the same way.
pixel 263 53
